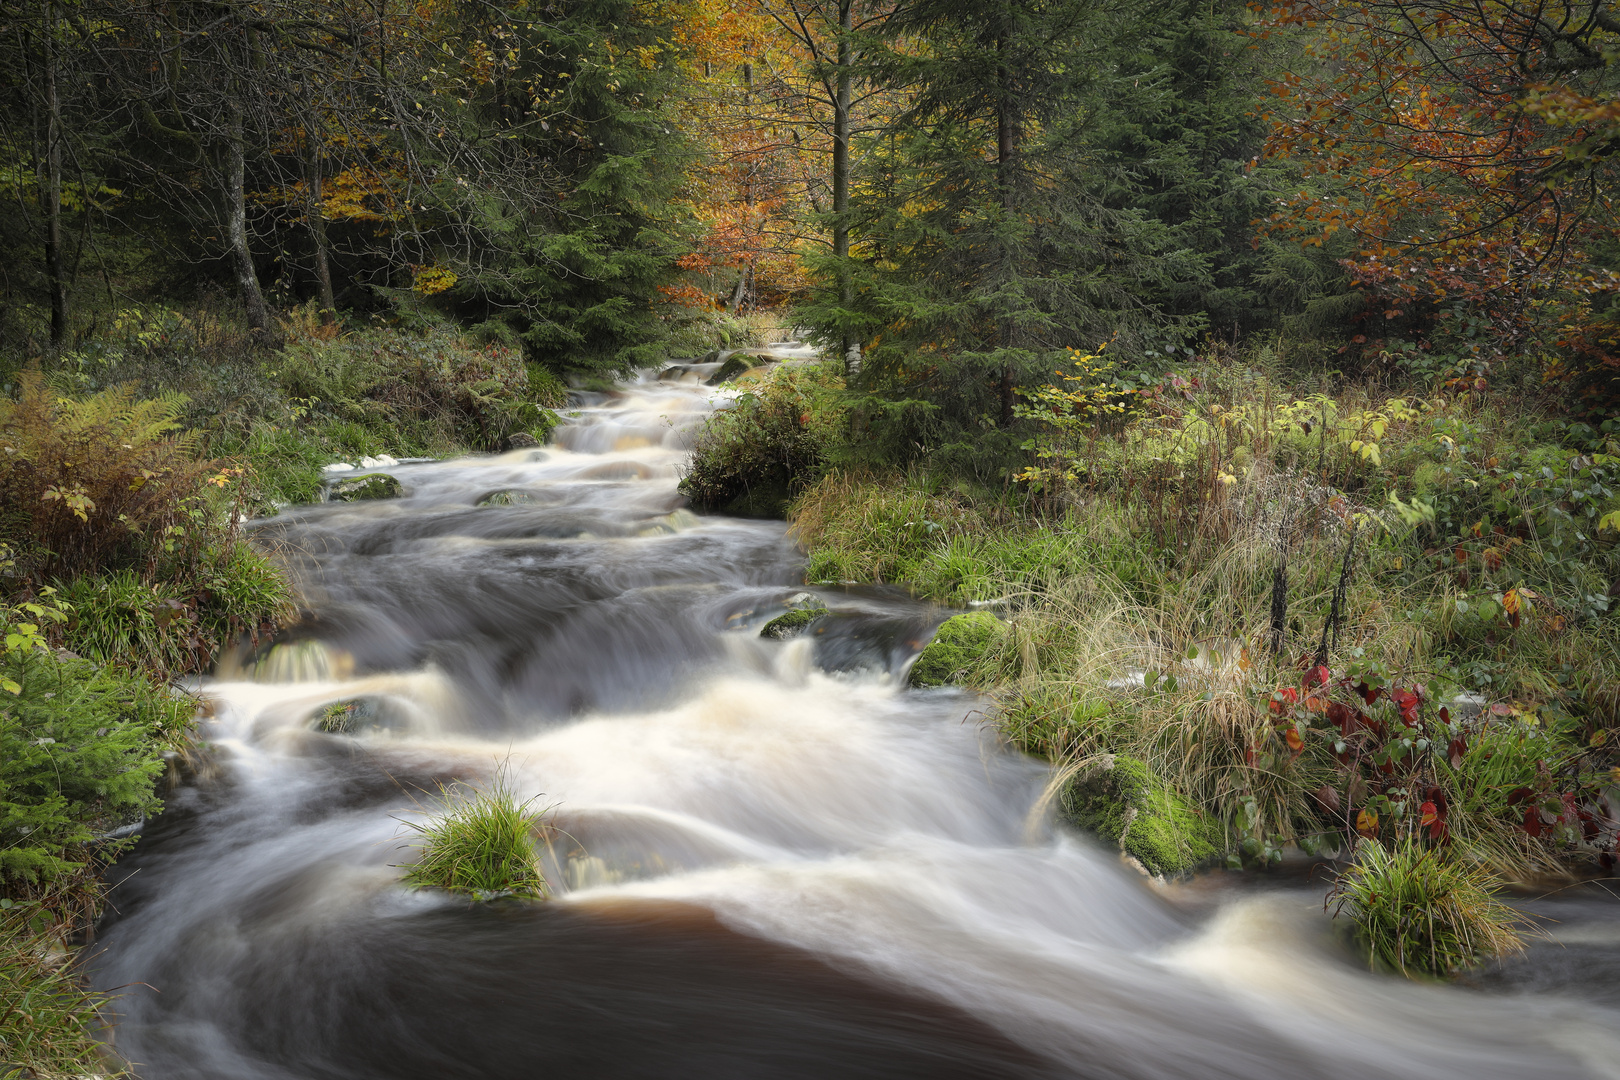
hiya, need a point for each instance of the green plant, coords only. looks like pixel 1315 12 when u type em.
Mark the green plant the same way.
pixel 752 458
pixel 80 748
pixel 1419 911
pixel 46 1015
pixel 483 844
pixel 104 482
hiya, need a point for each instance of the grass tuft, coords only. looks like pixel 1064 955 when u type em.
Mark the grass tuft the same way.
pixel 483 845
pixel 1420 912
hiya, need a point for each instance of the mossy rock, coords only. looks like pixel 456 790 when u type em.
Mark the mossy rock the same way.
pixel 734 366
pixel 959 643
pixel 793 623
pixel 1125 803
pixel 375 486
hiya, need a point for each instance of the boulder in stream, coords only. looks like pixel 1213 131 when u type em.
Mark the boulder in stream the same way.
pixel 803 610
pixel 1124 803
pixel 959 643
pixel 374 486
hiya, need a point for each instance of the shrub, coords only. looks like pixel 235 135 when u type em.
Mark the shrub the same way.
pixel 104 482
pixel 80 748
pixel 482 845
pixel 1419 911
pixel 434 388
pixel 752 458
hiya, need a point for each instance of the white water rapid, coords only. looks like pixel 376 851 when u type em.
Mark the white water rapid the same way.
pixel 777 861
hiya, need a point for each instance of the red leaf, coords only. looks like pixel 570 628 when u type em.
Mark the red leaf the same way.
pixel 1532 820
pixel 1428 813
pixel 1518 795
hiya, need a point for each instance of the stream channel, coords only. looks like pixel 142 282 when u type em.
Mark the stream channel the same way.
pixel 772 859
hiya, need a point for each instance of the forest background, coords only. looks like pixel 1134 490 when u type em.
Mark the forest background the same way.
pixel 1262 360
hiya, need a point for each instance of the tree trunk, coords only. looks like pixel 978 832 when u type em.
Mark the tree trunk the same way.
pixel 1006 154
pixel 52 189
pixel 840 168
pixel 317 231
pixel 253 306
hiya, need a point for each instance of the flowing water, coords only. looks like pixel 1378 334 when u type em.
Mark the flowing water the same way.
pixel 772 860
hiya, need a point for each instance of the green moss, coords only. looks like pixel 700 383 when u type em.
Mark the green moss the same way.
pixel 375 486
pixel 959 643
pixel 1122 801
pixel 791 624
pixel 734 366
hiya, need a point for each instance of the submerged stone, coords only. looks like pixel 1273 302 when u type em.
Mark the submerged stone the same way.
pixel 375 486
pixel 506 497
pixel 957 645
pixel 1121 800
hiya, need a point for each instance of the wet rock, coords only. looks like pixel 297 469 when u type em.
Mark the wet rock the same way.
pixel 734 366
pixel 506 497
pixel 957 645
pixel 617 470
pixel 522 440
pixel 1124 803
pixel 804 609
pixel 375 486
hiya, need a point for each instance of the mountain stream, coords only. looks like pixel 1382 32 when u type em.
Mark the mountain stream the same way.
pixel 773 860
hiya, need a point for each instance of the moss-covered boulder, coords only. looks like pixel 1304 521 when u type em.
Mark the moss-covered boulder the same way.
pixel 1121 800
pixel 959 643
pixel 734 366
pixel 794 622
pixel 375 486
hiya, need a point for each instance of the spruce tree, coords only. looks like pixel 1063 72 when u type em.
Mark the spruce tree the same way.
pixel 982 248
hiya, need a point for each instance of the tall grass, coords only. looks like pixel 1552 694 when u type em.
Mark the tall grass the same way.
pixel 483 844
pixel 46 1014
pixel 1419 912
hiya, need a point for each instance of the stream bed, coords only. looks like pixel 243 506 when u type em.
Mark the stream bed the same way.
pixel 773 859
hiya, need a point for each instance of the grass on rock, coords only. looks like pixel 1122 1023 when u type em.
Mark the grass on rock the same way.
pixel 482 845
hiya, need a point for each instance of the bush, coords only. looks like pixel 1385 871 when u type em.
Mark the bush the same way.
pixel 433 389
pixel 483 846
pixel 80 748
pixel 1419 911
pixel 100 483
pixel 752 458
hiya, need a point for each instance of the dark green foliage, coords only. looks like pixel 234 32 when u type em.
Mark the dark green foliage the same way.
pixel 1121 800
pixel 984 250
pixel 572 249
pixel 956 648
pixel 79 752
pixel 754 457
pixel 1184 139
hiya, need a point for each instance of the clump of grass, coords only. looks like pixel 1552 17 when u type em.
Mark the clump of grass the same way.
pixel 46 1015
pixel 1421 912
pixel 483 845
